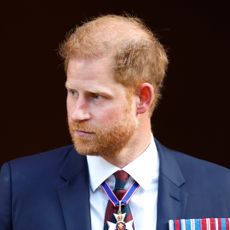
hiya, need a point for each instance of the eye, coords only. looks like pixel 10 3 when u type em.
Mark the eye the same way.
pixel 73 92
pixel 95 96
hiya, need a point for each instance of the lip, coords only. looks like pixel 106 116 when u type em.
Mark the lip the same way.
pixel 82 133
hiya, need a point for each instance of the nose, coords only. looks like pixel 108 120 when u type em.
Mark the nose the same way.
pixel 80 110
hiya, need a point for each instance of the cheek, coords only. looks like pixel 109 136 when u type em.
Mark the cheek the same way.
pixel 108 116
pixel 69 106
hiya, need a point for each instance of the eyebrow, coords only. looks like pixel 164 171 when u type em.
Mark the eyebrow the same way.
pixel 66 85
pixel 93 90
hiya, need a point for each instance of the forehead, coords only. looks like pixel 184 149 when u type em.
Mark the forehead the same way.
pixel 89 68
pixel 92 74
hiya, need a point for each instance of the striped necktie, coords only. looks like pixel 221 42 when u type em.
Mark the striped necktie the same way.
pixel 121 178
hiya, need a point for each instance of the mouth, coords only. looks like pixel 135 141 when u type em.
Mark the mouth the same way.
pixel 82 133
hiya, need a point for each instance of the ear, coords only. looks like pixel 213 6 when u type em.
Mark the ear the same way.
pixel 145 97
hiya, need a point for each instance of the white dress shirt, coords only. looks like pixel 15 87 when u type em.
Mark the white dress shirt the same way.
pixel 143 204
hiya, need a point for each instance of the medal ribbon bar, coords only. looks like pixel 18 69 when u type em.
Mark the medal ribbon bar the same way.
pixel 200 224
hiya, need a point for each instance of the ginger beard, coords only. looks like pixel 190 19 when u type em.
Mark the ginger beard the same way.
pixel 108 139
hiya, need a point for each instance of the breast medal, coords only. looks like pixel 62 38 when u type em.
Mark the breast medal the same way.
pixel 200 224
pixel 119 216
pixel 120 224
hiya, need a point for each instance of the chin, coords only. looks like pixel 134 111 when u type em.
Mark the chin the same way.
pixel 84 151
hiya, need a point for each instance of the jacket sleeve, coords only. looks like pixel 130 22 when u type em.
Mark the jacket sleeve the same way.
pixel 5 198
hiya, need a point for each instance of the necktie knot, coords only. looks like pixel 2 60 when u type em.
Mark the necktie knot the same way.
pixel 121 179
pixel 120 193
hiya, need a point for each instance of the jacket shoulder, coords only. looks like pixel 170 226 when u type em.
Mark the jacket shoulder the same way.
pixel 45 164
pixel 202 175
pixel 199 166
pixel 41 158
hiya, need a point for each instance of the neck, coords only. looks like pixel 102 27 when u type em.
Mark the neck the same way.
pixel 135 147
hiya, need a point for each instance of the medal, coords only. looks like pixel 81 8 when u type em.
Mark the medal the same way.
pixel 200 224
pixel 120 224
pixel 119 216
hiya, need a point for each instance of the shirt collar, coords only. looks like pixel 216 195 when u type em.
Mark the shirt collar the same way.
pixel 144 170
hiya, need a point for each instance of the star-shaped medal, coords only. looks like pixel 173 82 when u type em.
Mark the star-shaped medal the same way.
pixel 120 224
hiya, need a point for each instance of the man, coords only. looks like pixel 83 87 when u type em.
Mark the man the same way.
pixel 115 68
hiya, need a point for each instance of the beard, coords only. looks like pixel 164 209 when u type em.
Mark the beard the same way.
pixel 105 141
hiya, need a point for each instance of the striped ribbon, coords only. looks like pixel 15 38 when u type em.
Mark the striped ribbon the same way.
pixel 200 224
pixel 126 198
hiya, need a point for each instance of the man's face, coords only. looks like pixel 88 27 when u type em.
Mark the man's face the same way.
pixel 100 116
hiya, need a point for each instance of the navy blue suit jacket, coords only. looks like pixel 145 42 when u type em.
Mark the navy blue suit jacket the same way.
pixel 50 191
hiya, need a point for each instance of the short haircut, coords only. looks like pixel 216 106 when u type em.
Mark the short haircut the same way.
pixel 136 53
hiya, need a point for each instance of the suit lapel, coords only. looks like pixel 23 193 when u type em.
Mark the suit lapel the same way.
pixel 171 198
pixel 74 192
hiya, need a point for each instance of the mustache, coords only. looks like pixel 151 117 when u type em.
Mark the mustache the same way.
pixel 81 127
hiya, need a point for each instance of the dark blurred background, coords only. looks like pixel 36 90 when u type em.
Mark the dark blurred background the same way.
pixel 192 115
